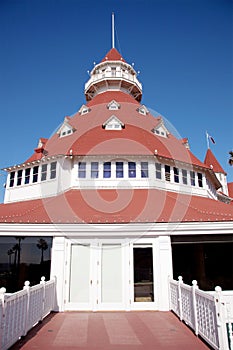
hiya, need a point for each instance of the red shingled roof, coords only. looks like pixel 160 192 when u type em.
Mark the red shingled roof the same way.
pixel 113 55
pixel 136 138
pixel 116 206
pixel 108 96
pixel 211 161
pixel 230 189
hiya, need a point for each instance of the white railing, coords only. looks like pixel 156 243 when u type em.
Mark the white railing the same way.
pixel 21 311
pixel 109 75
pixel 209 314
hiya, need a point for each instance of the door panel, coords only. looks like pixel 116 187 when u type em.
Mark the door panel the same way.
pixel 80 281
pixel 143 274
pixel 111 273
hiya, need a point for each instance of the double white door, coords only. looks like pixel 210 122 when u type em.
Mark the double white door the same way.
pixel 95 277
pixel 109 276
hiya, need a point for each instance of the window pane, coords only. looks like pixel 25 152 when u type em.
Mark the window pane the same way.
pixel 107 169
pixel 176 174
pixel 32 261
pixel 119 170
pixel 94 170
pixel 53 167
pixel 158 172
pixel 200 182
pixel 81 170
pixel 35 174
pixel 192 178
pixel 19 177
pixel 44 172
pixel 144 169
pixel 12 176
pixel 184 177
pixel 167 173
pixel 27 175
pixel 132 169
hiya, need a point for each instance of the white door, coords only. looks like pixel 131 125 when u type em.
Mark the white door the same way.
pixel 80 277
pixel 111 277
pixel 143 276
pixel 95 277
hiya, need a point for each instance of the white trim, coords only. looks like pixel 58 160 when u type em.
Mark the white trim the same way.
pixel 119 230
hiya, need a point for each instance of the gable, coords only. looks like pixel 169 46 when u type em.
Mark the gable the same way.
pixel 113 105
pixel 84 110
pixel 143 110
pixel 113 123
pixel 65 129
pixel 160 129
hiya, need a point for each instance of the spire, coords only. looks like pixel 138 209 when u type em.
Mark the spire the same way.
pixel 212 162
pixel 113 32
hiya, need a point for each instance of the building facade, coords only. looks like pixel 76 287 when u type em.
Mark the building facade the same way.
pixel 125 203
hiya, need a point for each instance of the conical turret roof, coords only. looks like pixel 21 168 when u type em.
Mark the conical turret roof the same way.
pixel 212 162
pixel 113 55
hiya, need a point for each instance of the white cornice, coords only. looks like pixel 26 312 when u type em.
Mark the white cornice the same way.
pixel 117 230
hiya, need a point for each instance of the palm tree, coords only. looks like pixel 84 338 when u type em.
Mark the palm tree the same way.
pixel 19 239
pixel 43 245
pixel 231 158
pixel 9 253
pixel 15 250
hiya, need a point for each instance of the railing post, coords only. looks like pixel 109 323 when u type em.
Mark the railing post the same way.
pixel 180 281
pixel 195 320
pixel 2 298
pixel 54 306
pixel 27 288
pixel 42 282
pixel 221 319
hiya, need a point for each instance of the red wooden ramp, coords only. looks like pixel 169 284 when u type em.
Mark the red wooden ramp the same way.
pixel 144 330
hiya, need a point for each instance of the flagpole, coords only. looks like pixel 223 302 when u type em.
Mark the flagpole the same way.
pixel 207 140
pixel 113 36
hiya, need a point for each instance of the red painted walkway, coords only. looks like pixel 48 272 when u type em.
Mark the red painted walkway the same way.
pixel 145 330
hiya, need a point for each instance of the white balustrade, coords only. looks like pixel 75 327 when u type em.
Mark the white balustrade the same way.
pixel 209 314
pixel 21 311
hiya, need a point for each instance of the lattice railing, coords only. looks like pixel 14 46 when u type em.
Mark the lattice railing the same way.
pixel 208 314
pixel 20 311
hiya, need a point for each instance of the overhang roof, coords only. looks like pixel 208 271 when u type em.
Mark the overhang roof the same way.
pixel 117 206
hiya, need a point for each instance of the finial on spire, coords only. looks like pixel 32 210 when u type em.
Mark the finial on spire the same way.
pixel 113 36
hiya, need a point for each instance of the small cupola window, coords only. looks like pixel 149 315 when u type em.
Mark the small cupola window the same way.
pixel 113 105
pixel 65 129
pixel 113 123
pixel 143 110
pixel 84 110
pixel 160 129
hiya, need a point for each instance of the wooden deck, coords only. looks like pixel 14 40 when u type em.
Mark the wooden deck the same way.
pixel 145 330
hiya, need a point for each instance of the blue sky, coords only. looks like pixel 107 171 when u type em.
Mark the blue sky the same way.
pixel 182 48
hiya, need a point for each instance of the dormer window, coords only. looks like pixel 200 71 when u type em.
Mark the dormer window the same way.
pixel 143 110
pixel 113 105
pixel 113 123
pixel 84 110
pixel 65 129
pixel 66 132
pixel 160 131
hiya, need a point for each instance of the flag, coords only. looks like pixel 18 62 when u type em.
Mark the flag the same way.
pixel 212 139
pixel 209 138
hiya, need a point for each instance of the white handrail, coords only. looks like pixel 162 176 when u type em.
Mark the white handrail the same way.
pixel 207 313
pixel 21 311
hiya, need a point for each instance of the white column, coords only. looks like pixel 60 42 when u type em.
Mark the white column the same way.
pixel 57 270
pixel 164 270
